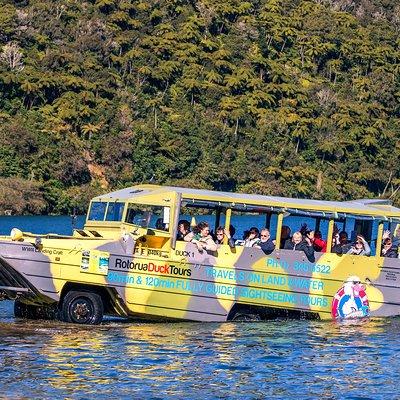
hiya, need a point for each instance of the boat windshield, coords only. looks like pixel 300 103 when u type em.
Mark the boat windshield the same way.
pixel 115 211
pixel 100 211
pixel 97 211
pixel 146 216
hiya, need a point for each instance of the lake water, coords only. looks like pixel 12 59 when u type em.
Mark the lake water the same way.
pixel 120 359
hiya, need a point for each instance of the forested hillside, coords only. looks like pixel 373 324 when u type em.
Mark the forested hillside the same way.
pixel 283 97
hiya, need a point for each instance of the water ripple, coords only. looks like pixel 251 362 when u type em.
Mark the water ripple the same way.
pixel 283 359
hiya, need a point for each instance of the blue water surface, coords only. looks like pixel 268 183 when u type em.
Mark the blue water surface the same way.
pixel 130 360
pixel 61 224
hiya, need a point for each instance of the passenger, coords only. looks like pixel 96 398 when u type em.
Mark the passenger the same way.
pixel 360 247
pixel 298 243
pixel 202 238
pixel 265 244
pixel 318 243
pixel 285 235
pixel 388 250
pixel 315 238
pixel 183 229
pixel 222 233
pixel 396 237
pixel 160 225
pixel 252 237
pixel 340 243
pixel 304 230
pixel 240 242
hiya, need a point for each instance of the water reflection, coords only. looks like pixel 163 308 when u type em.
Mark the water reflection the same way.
pixel 156 360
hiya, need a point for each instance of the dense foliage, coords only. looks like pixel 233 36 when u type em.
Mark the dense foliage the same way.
pixel 284 97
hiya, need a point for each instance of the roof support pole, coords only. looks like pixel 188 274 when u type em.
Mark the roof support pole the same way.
pixel 317 224
pixel 379 239
pixel 174 218
pixel 227 222
pixel 268 220
pixel 331 225
pixel 217 219
pixel 278 231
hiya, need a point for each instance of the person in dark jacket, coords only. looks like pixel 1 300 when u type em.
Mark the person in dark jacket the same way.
pixel 183 229
pixel 388 250
pixel 265 243
pixel 300 244
pixel 341 244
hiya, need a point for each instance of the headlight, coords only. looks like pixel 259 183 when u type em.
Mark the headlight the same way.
pixel 16 234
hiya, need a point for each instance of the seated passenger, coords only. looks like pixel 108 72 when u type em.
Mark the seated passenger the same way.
pixel 298 243
pixel 396 237
pixel 318 243
pixel 265 244
pixel 183 229
pixel 360 247
pixel 240 242
pixel 202 238
pixel 252 237
pixel 340 243
pixel 388 250
pixel 285 235
pixel 160 225
pixel 222 233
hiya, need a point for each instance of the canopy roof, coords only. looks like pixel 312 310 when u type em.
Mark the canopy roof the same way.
pixel 198 197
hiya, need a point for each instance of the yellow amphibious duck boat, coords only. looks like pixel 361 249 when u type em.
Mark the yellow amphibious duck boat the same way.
pixel 127 261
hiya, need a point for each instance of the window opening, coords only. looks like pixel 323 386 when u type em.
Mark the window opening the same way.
pixel 97 211
pixel 195 215
pixel 242 222
pixel 394 239
pixel 147 216
pixel 300 223
pixel 114 211
pixel 354 227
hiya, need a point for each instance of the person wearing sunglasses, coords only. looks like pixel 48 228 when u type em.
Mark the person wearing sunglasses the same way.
pixel 265 244
pixel 360 247
pixel 388 248
pixel 221 233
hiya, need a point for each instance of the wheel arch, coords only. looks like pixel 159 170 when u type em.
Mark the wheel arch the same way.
pixel 112 302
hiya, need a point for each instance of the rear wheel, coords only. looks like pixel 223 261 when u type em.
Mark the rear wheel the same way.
pixel 246 317
pixel 82 308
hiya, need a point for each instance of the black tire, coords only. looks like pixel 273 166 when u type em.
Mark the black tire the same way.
pixel 246 317
pixel 29 311
pixel 82 308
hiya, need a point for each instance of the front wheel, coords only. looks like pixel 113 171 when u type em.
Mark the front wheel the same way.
pixel 82 308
